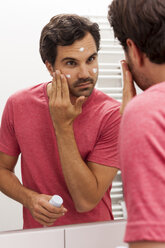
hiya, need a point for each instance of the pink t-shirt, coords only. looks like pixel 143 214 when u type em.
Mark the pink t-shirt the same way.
pixel 27 129
pixel 142 160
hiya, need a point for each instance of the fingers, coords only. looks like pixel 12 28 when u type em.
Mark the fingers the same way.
pixel 54 86
pixel 47 218
pixel 51 211
pixel 60 87
pixel 79 103
pixel 128 86
pixel 43 212
pixel 65 88
pixel 127 77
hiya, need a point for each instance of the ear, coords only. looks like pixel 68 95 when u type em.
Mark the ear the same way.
pixel 136 55
pixel 49 67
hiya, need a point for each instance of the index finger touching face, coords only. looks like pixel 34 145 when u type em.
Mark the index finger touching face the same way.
pixel 54 80
pixel 54 85
pixel 65 88
pixel 125 68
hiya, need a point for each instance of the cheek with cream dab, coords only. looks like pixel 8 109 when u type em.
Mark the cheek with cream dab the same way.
pixel 81 49
pixel 95 70
pixel 68 76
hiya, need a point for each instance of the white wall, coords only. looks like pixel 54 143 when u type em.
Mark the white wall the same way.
pixel 20 64
pixel 20 24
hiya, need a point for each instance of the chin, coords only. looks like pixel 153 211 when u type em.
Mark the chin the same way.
pixel 143 86
pixel 84 92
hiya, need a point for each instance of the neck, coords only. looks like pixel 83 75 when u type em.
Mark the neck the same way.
pixel 156 72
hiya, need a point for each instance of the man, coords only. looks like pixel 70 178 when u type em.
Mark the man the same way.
pixel 140 27
pixel 65 130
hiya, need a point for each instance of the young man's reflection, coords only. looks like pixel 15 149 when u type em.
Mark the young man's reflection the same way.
pixel 140 27
pixel 66 132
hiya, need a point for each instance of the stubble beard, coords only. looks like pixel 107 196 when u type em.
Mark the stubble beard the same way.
pixel 139 78
pixel 75 91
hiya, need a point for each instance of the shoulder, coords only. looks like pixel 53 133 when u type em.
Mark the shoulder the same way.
pixel 104 103
pixel 102 97
pixel 143 124
pixel 23 95
pixel 145 107
pixel 108 108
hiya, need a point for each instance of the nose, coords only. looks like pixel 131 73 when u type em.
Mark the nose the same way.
pixel 83 71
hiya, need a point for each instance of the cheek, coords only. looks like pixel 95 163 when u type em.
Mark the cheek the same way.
pixel 95 70
pixel 68 73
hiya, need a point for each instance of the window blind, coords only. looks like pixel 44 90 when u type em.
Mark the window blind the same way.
pixel 110 82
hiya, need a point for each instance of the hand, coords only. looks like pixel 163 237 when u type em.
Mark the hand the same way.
pixel 44 212
pixel 62 111
pixel 129 90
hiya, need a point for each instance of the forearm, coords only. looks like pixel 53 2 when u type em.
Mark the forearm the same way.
pixel 11 186
pixel 81 182
pixel 38 204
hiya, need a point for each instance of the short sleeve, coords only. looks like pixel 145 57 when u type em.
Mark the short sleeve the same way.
pixel 142 159
pixel 8 141
pixel 105 150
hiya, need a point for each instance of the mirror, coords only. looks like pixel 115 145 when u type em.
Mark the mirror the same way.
pixel 21 23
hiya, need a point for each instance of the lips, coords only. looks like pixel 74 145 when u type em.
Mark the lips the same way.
pixel 84 84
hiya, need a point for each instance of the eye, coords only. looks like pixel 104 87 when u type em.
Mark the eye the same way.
pixel 91 59
pixel 71 63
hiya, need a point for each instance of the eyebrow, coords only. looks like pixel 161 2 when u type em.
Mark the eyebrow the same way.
pixel 70 58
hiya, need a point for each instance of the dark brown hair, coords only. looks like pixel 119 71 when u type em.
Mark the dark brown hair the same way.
pixel 143 21
pixel 63 30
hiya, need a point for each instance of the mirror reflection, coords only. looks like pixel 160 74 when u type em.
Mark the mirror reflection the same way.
pixel 69 151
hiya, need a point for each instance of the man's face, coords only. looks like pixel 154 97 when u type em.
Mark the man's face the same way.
pixel 138 75
pixel 79 63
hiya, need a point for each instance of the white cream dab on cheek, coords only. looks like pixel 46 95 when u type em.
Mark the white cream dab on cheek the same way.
pixel 68 76
pixel 94 70
pixel 81 49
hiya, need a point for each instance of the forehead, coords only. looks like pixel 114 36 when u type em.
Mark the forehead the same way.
pixel 86 46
